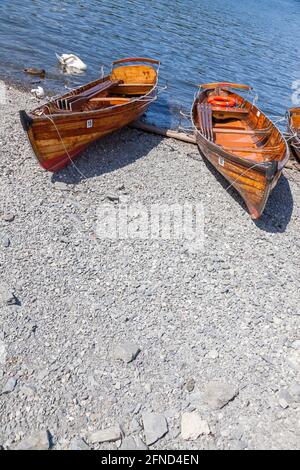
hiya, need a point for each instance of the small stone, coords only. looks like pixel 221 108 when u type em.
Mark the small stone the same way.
pixel 5 241
pixel 77 443
pixel 133 443
pixel 294 392
pixel 296 344
pixel 111 434
pixel 294 361
pixel 213 354
pixel 9 386
pixel 126 352
pixel 192 426
pixel 60 186
pixel 137 409
pixel 217 394
pixel 155 427
pixel 28 390
pixel 39 440
pixel 190 385
pixel 7 297
pixel 135 426
pixel 284 399
pixel 148 388
pixel 113 197
pixel 8 217
pixel 238 445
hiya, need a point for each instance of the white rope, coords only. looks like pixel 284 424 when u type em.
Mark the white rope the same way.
pixel 281 119
pixel 243 174
pixel 59 135
pixel 147 101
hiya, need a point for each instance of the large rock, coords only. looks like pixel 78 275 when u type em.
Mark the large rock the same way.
pixel 39 440
pixel 126 351
pixel 133 443
pixel 155 427
pixel 192 426
pixel 217 394
pixel 111 434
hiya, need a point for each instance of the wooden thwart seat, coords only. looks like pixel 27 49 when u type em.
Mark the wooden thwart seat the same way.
pixel 253 149
pixel 229 113
pixel 132 89
pixel 110 99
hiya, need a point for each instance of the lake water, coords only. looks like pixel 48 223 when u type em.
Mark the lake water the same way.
pixel 255 42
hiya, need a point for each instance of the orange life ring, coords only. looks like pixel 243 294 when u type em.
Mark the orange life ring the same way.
pixel 224 101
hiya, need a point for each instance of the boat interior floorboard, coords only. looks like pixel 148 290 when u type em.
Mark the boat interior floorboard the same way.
pixel 236 140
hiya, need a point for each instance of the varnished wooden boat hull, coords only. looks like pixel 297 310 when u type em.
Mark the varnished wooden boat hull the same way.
pixel 58 138
pixel 254 180
pixel 294 131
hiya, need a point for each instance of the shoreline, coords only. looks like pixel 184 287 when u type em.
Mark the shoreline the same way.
pixel 220 318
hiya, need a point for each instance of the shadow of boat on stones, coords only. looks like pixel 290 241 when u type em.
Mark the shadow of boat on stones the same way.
pixel 279 208
pixel 112 152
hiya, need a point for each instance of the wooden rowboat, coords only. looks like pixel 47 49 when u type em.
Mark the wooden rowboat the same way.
pixel 294 131
pixel 62 128
pixel 240 142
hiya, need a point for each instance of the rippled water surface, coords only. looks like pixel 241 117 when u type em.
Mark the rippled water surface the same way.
pixel 256 42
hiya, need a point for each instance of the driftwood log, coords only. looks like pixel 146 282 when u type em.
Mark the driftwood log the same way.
pixel 189 138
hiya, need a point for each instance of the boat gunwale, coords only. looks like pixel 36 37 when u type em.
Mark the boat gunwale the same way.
pixel 59 116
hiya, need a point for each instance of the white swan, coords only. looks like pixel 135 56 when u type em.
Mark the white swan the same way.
pixel 71 63
pixel 38 92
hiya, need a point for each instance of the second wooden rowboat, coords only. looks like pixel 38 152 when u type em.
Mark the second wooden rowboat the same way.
pixel 62 128
pixel 294 131
pixel 240 141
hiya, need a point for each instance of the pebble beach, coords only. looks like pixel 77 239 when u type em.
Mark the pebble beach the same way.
pixel 143 343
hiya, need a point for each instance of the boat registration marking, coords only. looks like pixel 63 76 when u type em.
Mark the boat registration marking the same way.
pixel 89 123
pixel 221 161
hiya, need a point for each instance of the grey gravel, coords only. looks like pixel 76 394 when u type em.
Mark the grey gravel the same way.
pixel 81 294
pixel 155 427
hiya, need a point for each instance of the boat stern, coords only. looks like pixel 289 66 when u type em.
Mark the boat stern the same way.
pixel 26 120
